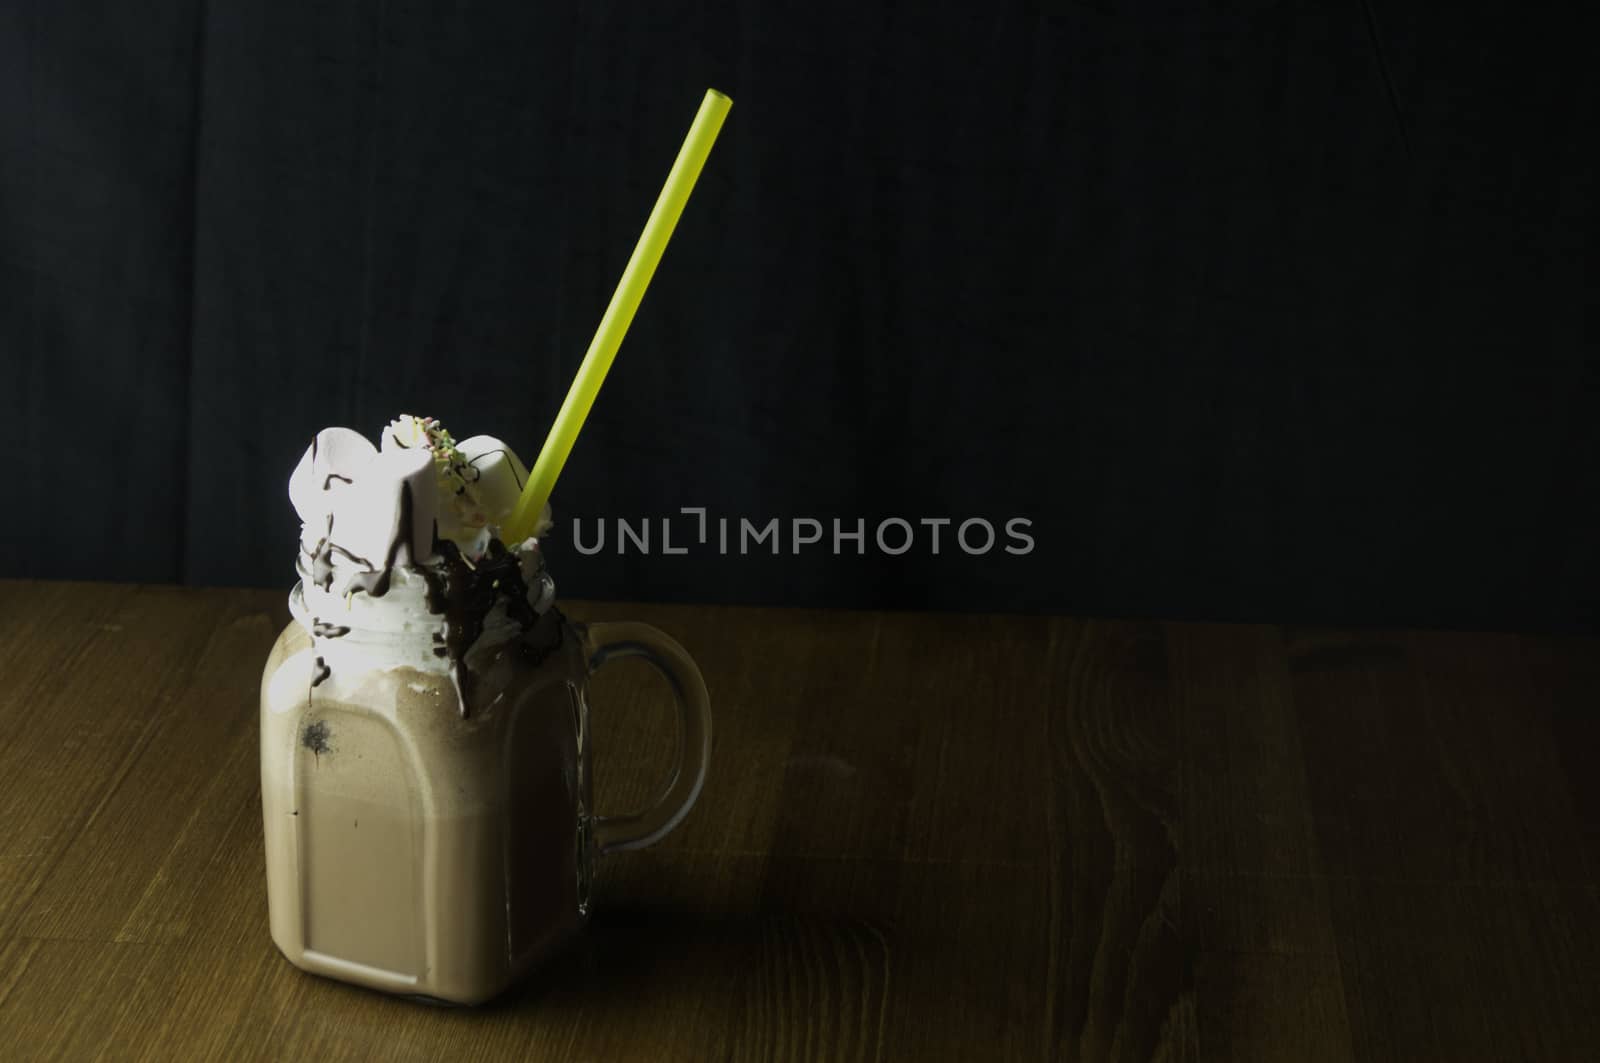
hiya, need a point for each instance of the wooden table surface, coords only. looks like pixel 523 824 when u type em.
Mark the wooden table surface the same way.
pixel 923 837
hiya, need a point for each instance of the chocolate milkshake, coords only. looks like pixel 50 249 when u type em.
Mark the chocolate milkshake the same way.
pixel 424 726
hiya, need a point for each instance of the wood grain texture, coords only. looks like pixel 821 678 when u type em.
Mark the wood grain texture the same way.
pixel 923 837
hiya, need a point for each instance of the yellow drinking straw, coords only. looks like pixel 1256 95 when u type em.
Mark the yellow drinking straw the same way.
pixel 618 316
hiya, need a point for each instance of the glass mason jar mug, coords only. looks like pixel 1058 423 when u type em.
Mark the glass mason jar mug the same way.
pixel 429 828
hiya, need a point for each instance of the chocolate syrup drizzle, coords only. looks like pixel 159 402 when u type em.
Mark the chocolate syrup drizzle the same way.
pixel 462 592
pixel 465 593
pixel 375 582
pixel 321 557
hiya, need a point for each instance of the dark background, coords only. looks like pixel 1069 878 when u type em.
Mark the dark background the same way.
pixel 1261 311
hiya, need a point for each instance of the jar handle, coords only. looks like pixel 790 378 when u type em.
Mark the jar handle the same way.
pixel 610 641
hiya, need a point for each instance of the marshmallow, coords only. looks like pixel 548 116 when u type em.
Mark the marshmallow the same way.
pixel 406 432
pixel 343 475
pixel 367 515
pixel 334 459
pixel 501 475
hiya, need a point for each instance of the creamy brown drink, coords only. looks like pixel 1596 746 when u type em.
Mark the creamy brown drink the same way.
pixel 424 733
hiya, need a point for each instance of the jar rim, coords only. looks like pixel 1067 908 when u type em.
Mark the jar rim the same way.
pixel 413 626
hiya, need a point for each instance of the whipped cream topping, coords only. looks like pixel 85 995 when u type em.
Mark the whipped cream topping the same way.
pixel 400 546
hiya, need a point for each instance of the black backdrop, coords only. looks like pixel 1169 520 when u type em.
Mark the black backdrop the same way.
pixel 1255 311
